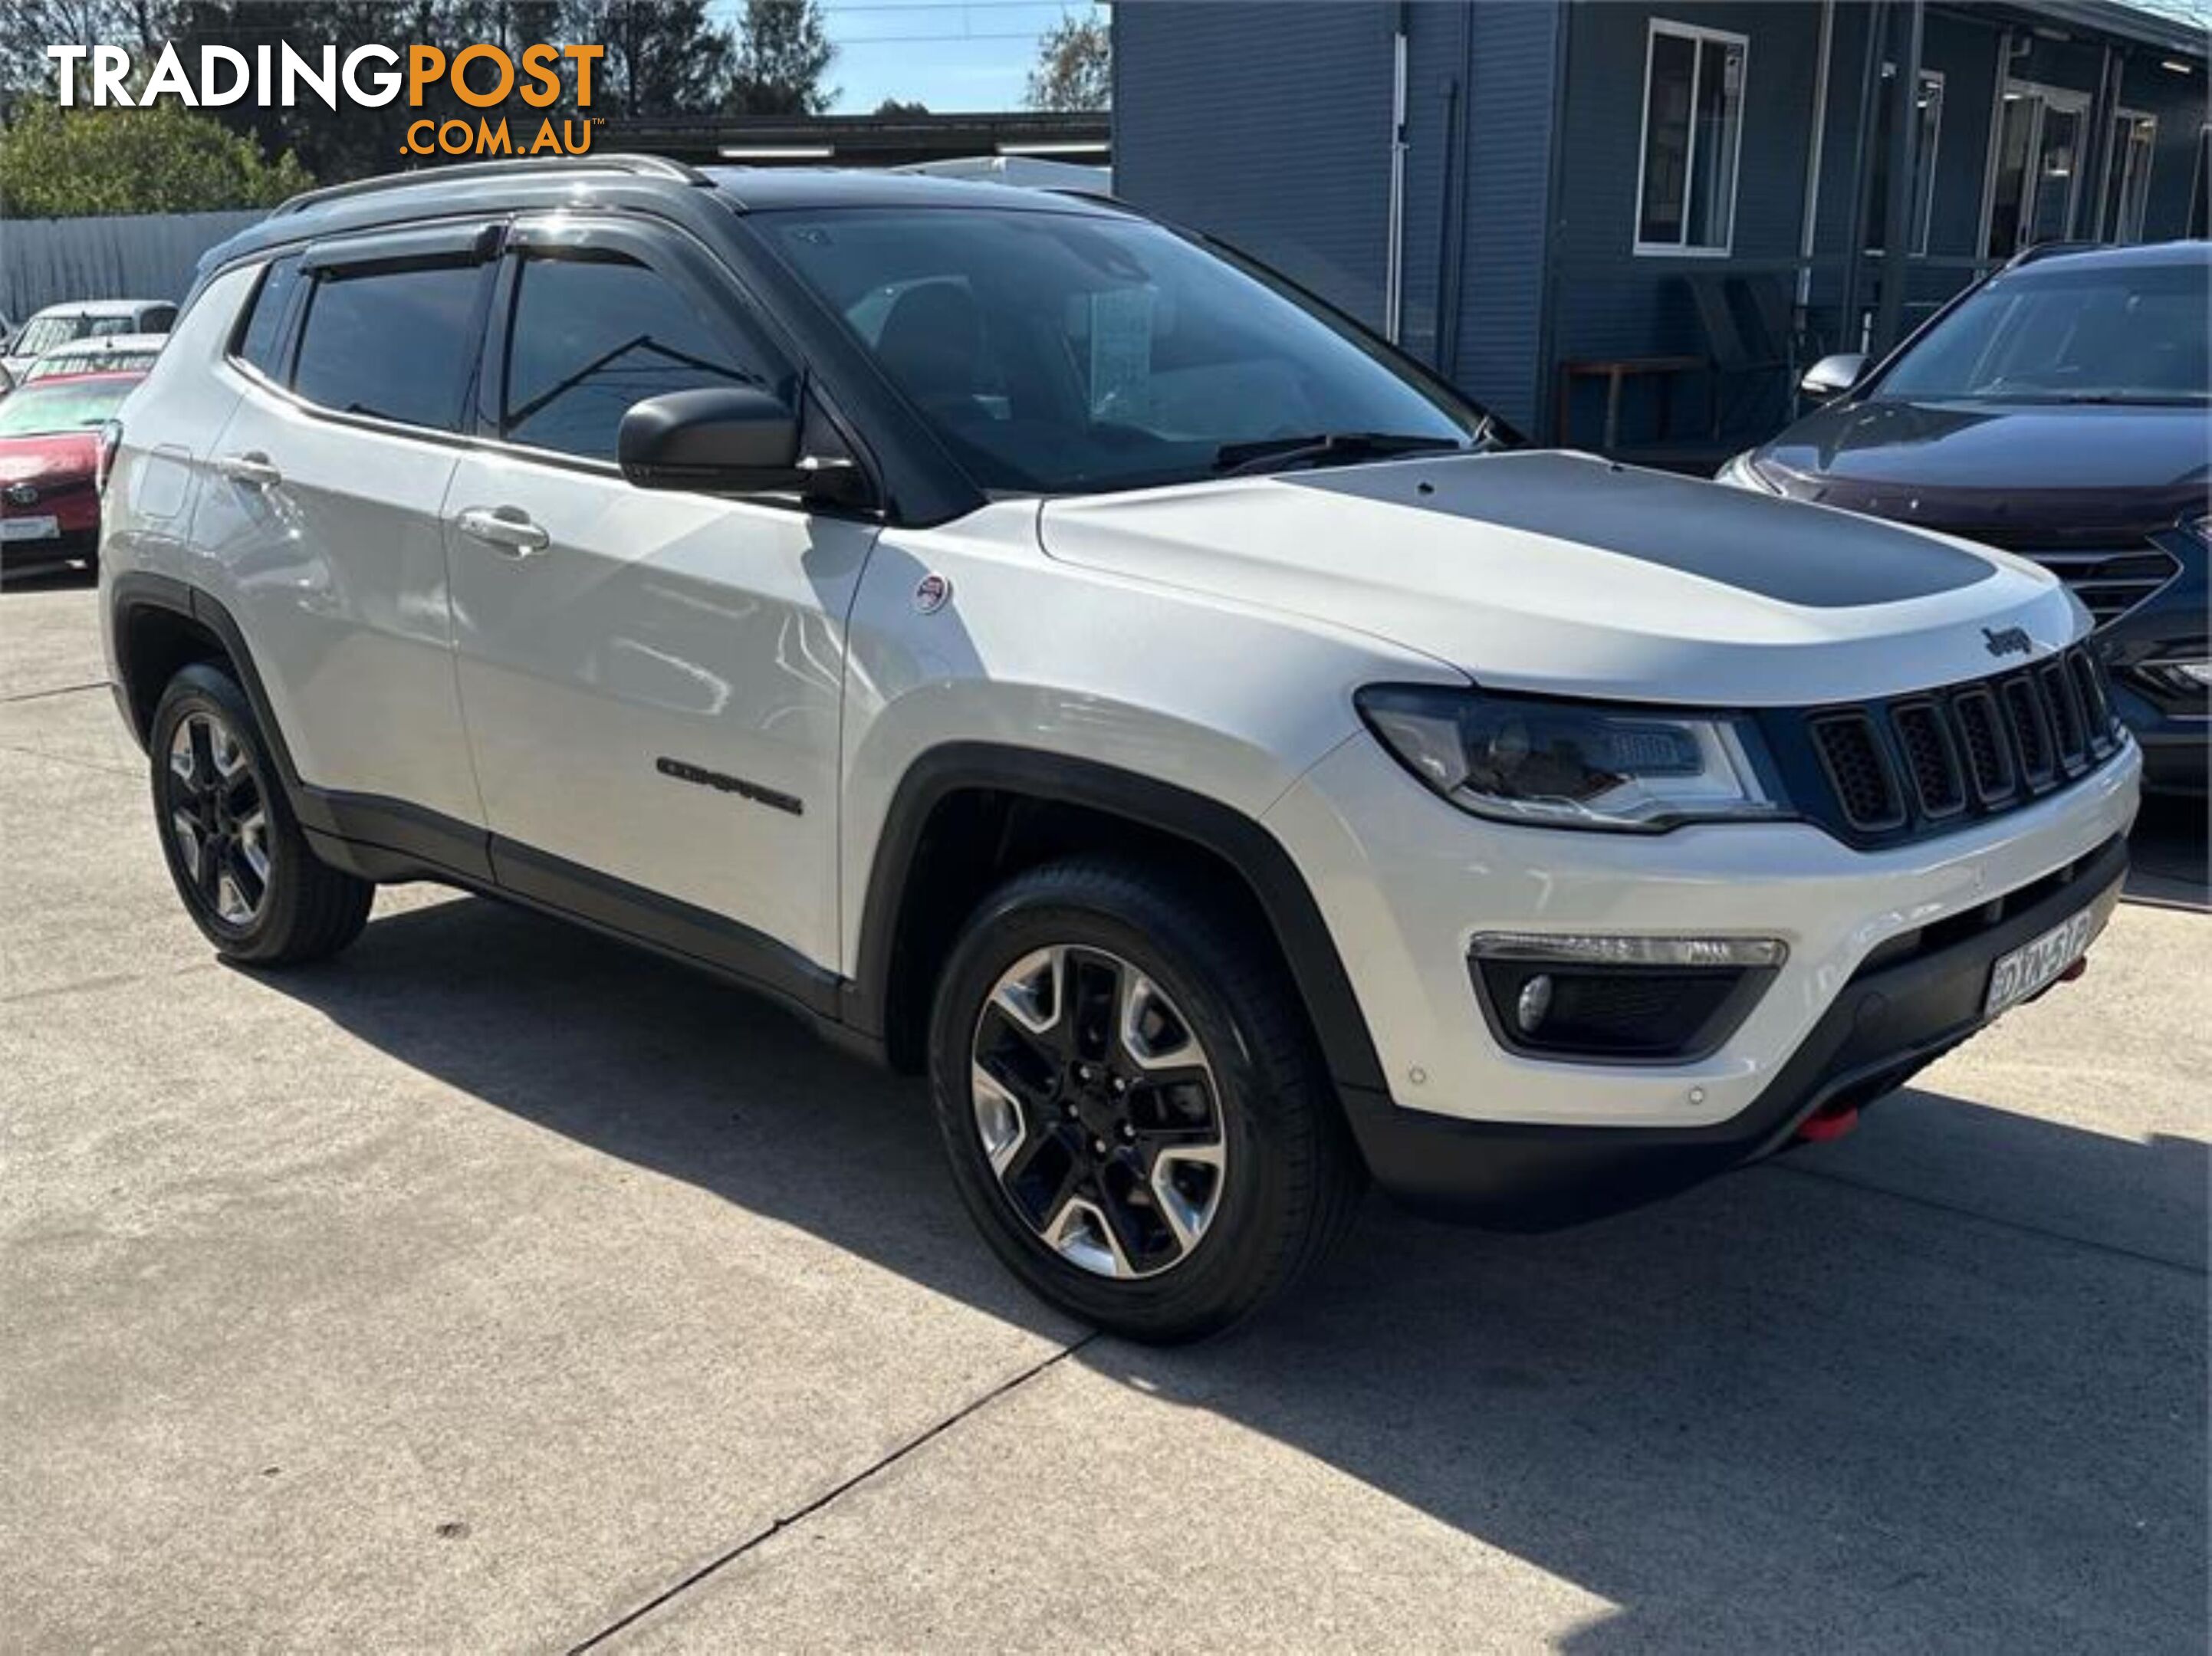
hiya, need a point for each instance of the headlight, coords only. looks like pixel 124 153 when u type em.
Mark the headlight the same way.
pixel 1742 473
pixel 2200 527
pixel 1565 764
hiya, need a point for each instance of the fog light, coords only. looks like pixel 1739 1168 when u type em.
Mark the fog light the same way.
pixel 1618 999
pixel 1534 1001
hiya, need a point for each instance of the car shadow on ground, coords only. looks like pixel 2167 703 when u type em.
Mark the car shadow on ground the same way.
pixel 1790 1408
pixel 47 577
pixel 2166 853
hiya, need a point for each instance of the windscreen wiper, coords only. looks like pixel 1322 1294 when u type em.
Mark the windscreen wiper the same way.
pixel 1236 459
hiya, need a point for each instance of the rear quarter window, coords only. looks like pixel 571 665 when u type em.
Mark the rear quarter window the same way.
pixel 261 341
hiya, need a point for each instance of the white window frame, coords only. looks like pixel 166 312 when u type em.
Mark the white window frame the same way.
pixel 1698 34
pixel 2113 198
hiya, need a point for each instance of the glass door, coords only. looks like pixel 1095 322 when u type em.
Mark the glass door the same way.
pixel 2127 178
pixel 2036 183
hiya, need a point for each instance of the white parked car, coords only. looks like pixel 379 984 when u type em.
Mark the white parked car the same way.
pixel 1098 677
pixel 64 324
pixel 120 353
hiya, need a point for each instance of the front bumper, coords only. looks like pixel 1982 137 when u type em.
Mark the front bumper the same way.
pixel 1891 1018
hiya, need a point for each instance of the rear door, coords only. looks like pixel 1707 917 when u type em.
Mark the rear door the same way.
pixel 322 510
pixel 652 680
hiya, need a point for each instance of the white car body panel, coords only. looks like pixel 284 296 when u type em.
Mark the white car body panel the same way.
pixel 1543 613
pixel 1223 699
pixel 170 423
pixel 337 574
pixel 652 626
pixel 1405 880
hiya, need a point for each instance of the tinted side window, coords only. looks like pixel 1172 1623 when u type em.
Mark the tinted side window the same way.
pixel 400 344
pixel 593 335
pixel 263 341
pixel 158 318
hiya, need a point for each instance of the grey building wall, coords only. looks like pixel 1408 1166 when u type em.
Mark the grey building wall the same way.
pixel 146 256
pixel 1609 300
pixel 1268 124
pixel 1504 184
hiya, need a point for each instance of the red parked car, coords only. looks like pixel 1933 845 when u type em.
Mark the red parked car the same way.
pixel 49 465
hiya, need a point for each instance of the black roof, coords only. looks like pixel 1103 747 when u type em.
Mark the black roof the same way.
pixel 2130 256
pixel 684 191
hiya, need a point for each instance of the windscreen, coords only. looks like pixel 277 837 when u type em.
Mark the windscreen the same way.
pixel 1061 352
pixel 38 410
pixel 2091 333
pixel 42 333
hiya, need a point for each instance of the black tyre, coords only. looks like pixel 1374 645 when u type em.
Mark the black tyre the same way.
pixel 1132 1102
pixel 245 871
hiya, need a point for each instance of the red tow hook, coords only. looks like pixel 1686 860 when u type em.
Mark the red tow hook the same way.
pixel 2079 966
pixel 1827 1124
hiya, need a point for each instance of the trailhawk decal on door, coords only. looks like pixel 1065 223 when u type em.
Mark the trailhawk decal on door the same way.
pixel 683 771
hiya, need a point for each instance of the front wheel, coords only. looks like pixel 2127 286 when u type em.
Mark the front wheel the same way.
pixel 1132 1104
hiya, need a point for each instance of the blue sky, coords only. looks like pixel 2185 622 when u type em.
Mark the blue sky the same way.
pixel 949 54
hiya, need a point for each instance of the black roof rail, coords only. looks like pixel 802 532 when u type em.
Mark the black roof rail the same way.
pixel 2043 250
pixel 658 166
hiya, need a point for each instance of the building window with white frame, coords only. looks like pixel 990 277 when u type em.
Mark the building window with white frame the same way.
pixel 2127 177
pixel 1694 80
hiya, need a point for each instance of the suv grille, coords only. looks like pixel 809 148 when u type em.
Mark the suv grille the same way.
pixel 1916 765
pixel 2109 582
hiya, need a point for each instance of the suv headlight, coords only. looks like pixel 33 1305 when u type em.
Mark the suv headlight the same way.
pixel 1743 472
pixel 1567 764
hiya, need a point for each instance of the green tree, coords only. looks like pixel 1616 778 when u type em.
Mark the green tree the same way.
pixel 891 109
pixel 1074 68
pixel 783 52
pixel 662 58
pixel 56 163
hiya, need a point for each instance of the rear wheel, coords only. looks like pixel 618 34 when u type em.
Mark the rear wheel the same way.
pixel 1132 1105
pixel 246 872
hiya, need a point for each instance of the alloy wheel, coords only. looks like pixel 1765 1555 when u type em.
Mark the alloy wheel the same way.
pixel 219 817
pixel 1098 1111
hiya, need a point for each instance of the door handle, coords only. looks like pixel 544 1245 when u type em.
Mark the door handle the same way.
pixel 506 529
pixel 253 469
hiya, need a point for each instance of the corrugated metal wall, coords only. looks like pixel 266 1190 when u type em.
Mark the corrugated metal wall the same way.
pixel 1510 138
pixel 147 256
pixel 1268 124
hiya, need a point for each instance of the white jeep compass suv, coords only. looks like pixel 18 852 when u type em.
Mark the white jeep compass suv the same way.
pixel 1046 651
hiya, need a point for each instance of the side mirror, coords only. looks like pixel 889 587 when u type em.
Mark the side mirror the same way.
pixel 730 440
pixel 1831 376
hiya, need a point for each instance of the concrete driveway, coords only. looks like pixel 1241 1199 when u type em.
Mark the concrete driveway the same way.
pixel 495 1287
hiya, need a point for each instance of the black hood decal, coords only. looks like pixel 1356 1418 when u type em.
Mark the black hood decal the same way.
pixel 1754 542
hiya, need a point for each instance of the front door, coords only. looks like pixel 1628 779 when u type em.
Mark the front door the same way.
pixel 652 681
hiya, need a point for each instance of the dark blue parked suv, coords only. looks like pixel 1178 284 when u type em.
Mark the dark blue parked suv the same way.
pixel 2061 410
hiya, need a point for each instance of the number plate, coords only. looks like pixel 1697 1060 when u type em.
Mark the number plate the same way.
pixel 2033 965
pixel 30 528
